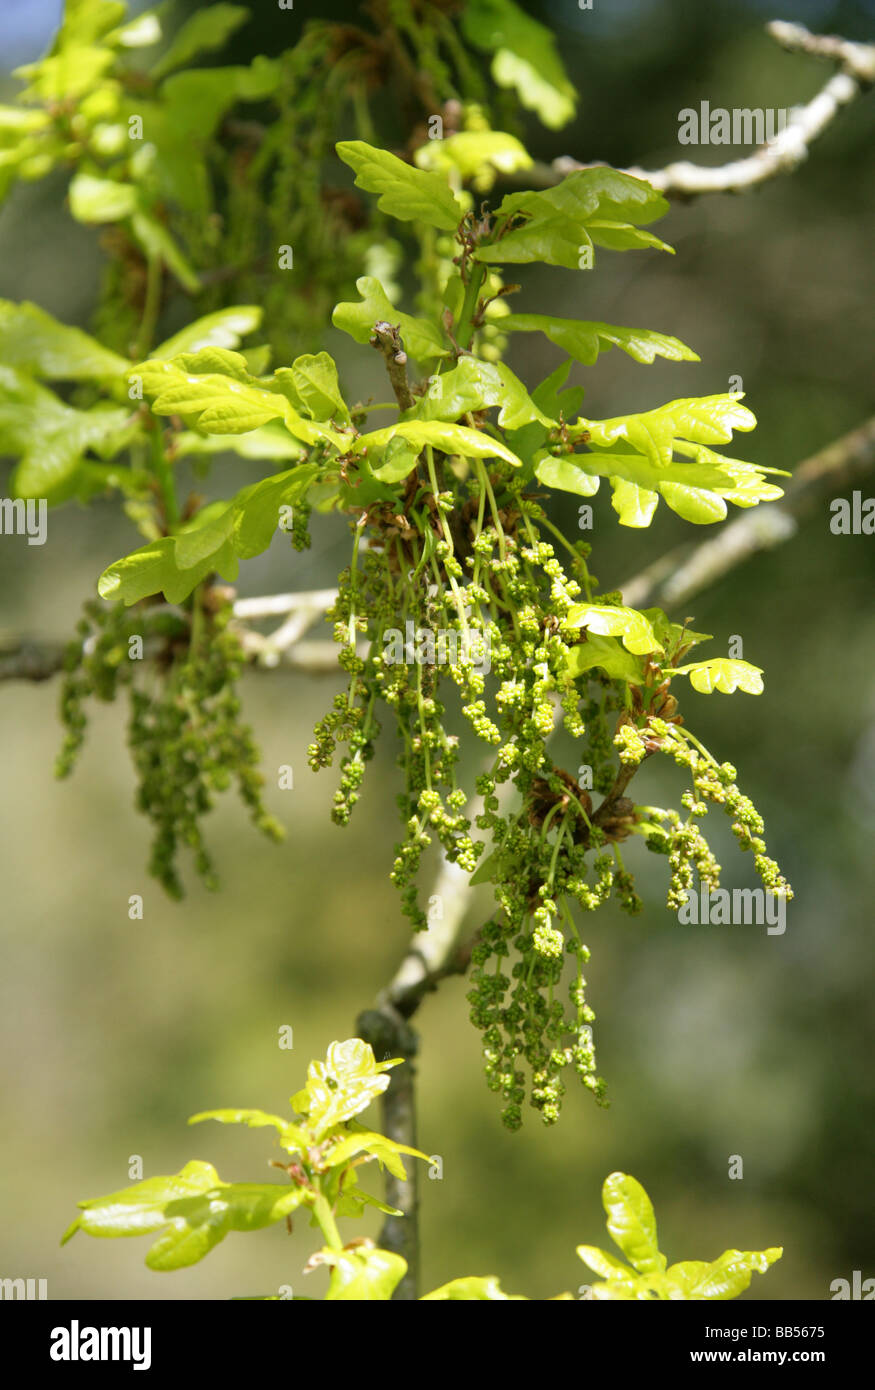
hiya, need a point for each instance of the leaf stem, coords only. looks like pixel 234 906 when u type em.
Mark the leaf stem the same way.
pixel 465 325
pixel 151 307
pixel 324 1215
pixel 164 474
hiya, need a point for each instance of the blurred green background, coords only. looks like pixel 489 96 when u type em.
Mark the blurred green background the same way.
pixel 714 1042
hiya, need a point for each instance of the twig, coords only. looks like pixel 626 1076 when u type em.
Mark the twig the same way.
pixel 23 658
pixel 388 340
pixel 274 605
pixel 431 956
pixel 676 577
pixel 31 661
pixel 780 155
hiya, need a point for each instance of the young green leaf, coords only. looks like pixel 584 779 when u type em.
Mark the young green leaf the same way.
pixel 50 439
pixel 606 654
pixel 291 1137
pixel 474 1287
pixel 257 509
pixel 474 156
pixel 551 237
pixel 475 385
pixel 420 337
pixel 94 199
pixel 726 1277
pixel 635 505
pixel 631 1222
pixel 721 673
pixel 213 389
pixel 194 1209
pixel 405 192
pixel 526 57
pixel 154 569
pixel 398 459
pixel 702 420
pixel 215 539
pixel 223 329
pixel 607 1265
pixel 591 206
pixel 386 1151
pixel 561 473
pixel 628 624
pixel 363 1274
pixel 33 341
pixel 583 340
pixel 342 1086
pixel 314 388
pixel 695 491
pixel 451 439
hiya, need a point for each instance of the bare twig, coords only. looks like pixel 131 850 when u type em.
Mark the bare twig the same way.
pixel 676 577
pixel 431 956
pixel 780 155
pixel 275 605
pixel 388 340
pixel 24 660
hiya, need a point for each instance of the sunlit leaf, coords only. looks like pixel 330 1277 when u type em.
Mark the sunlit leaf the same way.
pixel 474 1287
pixel 606 654
pixel 223 329
pixel 291 1136
pixel 583 340
pixel 30 339
pixel 363 1274
pixel 474 156
pixel 628 624
pixel 420 337
pixel 451 439
pixel 631 1222
pixel 723 674
pixel 525 57
pixel 475 385
pixel 94 199
pixel 194 1209
pixel 342 1086
pixel 407 193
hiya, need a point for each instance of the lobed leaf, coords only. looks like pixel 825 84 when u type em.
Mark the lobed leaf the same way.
pixel 525 57
pixel 213 389
pixel 194 1209
pixel 628 624
pixel 451 439
pixel 475 385
pixel 33 341
pixel 583 340
pixel 723 674
pixel 223 329
pixel 215 540
pixel 342 1086
pixel 606 654
pixel 702 420
pixel 407 193
pixel 474 156
pixel 420 337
